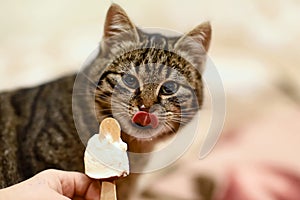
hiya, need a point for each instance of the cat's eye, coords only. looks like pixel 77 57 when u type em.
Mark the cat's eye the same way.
pixel 169 88
pixel 130 81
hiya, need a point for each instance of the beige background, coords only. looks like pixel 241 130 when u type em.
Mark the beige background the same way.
pixel 255 47
pixel 257 40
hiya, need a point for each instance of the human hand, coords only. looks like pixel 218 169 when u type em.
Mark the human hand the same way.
pixel 54 185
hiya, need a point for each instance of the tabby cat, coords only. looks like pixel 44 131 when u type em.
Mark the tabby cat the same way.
pixel 150 82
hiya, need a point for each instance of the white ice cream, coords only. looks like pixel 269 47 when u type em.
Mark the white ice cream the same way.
pixel 104 158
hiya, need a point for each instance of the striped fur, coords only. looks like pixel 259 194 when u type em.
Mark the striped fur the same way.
pixel 37 126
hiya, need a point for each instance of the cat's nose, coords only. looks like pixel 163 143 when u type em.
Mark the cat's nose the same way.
pixel 143 108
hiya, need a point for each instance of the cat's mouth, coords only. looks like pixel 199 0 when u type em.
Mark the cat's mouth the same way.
pixel 143 119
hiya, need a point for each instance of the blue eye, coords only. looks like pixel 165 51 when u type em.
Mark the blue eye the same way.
pixel 130 81
pixel 169 88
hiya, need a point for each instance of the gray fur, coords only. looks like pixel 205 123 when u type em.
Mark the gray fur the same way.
pixel 37 126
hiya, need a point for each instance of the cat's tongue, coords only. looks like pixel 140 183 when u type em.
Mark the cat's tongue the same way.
pixel 143 118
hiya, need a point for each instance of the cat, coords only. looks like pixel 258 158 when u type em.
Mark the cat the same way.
pixel 150 82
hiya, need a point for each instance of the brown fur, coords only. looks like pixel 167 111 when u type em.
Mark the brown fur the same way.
pixel 37 126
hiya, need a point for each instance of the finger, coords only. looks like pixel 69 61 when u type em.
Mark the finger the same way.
pixel 78 184
pixel 93 192
pixel 78 198
pixel 54 195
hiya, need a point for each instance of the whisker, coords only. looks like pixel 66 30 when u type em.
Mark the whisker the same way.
pixel 109 99
pixel 120 114
pixel 91 81
pixel 172 129
pixel 118 110
pixel 82 94
pixel 183 116
pixel 189 109
pixel 180 122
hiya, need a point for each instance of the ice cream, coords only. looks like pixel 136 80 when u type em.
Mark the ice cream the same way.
pixel 105 155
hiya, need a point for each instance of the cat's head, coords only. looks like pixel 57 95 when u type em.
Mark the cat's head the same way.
pixel 150 82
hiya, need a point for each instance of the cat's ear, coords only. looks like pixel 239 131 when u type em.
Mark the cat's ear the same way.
pixel 118 24
pixel 195 44
pixel 200 35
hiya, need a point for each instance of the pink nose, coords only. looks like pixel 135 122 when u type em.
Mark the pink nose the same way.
pixel 144 119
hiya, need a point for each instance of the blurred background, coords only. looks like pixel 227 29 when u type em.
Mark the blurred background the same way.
pixel 256 49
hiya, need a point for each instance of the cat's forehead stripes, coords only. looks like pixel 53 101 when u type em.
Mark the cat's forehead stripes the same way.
pixel 152 61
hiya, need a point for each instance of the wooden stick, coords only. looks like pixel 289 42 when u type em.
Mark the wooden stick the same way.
pixel 108 190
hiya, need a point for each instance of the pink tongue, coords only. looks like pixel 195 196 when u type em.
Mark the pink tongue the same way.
pixel 143 118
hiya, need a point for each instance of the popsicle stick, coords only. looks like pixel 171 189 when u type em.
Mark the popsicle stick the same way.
pixel 108 190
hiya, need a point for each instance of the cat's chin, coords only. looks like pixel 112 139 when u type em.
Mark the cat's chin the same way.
pixel 143 133
pixel 144 141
